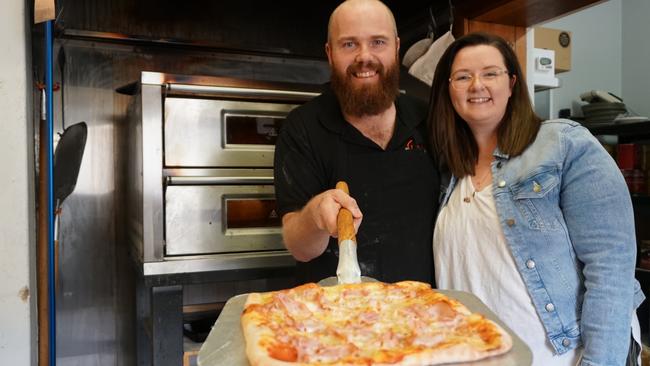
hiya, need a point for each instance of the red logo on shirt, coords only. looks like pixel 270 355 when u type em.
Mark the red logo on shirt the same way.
pixel 411 145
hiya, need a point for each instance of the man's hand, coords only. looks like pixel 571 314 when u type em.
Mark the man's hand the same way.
pixel 324 208
pixel 306 232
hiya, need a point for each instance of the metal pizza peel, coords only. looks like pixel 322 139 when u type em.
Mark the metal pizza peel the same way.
pixel 225 344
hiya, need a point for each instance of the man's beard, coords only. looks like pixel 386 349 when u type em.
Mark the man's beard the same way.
pixel 367 99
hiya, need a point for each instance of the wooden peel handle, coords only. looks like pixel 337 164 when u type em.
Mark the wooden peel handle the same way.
pixel 344 220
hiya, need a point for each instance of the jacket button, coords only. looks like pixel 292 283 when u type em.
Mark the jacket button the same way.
pixel 502 183
pixel 536 187
pixel 566 342
pixel 549 307
pixel 510 222
pixel 530 264
pixel 499 164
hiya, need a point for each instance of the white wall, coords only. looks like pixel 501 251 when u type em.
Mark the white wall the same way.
pixel 17 330
pixel 636 56
pixel 596 52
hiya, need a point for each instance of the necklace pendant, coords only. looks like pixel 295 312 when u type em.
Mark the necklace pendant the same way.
pixel 466 199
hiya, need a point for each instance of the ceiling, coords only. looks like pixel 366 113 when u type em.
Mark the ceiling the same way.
pixel 280 26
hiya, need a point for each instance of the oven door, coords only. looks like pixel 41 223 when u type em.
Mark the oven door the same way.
pixel 215 133
pixel 213 219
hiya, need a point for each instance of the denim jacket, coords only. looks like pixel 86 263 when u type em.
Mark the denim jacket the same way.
pixel 567 218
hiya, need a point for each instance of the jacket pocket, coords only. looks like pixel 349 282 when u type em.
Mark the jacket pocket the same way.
pixel 536 197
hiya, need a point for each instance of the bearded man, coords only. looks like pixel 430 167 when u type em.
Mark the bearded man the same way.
pixel 364 132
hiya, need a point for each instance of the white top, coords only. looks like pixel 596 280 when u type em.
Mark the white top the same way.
pixel 470 254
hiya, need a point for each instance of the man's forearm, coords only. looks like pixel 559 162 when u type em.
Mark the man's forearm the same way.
pixel 304 240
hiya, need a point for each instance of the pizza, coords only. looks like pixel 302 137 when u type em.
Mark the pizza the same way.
pixel 373 323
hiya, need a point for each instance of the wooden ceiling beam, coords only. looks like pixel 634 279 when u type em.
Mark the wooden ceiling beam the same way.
pixel 521 13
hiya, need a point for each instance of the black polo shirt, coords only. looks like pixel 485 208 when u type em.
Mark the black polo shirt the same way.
pixel 396 188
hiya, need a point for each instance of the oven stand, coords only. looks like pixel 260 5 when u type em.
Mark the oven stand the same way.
pixel 159 329
pixel 159 309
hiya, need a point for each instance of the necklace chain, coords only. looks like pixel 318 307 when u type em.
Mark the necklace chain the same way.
pixel 479 183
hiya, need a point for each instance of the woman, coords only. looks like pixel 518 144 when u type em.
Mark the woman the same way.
pixel 536 220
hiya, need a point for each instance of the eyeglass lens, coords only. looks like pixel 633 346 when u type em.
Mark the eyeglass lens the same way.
pixel 463 79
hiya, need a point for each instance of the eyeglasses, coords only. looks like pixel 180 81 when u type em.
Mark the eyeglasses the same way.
pixel 462 79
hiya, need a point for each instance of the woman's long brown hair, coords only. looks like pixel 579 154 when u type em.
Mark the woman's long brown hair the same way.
pixel 450 135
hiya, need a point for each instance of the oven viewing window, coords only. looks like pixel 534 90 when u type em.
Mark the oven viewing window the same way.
pixel 251 213
pixel 251 128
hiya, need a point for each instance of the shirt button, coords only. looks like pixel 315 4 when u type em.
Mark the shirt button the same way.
pixel 499 164
pixel 530 264
pixel 549 307
pixel 566 342
pixel 510 222
pixel 502 183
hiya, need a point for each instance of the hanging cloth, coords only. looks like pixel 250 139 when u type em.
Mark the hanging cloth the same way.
pixel 416 51
pixel 420 47
pixel 424 67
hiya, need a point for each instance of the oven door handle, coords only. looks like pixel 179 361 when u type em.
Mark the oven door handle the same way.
pixel 187 181
pixel 242 92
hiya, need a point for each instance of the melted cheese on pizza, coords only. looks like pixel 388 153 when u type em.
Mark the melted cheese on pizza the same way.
pixel 365 323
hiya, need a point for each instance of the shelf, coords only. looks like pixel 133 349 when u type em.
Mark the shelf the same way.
pixel 522 13
pixel 626 131
pixel 542 87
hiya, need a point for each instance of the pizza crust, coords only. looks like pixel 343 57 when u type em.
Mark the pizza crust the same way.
pixel 258 356
pixel 256 335
pixel 260 338
pixel 456 353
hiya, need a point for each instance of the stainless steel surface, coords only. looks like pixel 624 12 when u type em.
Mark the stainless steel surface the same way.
pixel 225 344
pixel 95 318
pixel 196 221
pixel 92 327
pixel 224 262
pixel 252 72
pixel 152 152
pixel 187 174
pixel 194 176
pixel 220 174
pixel 195 133
pixel 241 92
pixel 219 180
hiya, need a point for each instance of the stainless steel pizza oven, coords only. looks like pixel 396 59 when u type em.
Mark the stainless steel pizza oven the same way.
pixel 201 172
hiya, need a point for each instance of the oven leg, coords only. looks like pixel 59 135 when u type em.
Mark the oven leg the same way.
pixel 167 325
pixel 143 325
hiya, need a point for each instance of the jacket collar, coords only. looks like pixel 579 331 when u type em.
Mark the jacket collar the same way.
pixel 500 155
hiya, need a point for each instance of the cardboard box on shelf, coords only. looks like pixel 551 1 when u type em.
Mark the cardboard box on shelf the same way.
pixel 190 358
pixel 557 40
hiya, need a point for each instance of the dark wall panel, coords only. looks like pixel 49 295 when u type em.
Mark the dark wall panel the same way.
pixel 283 27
